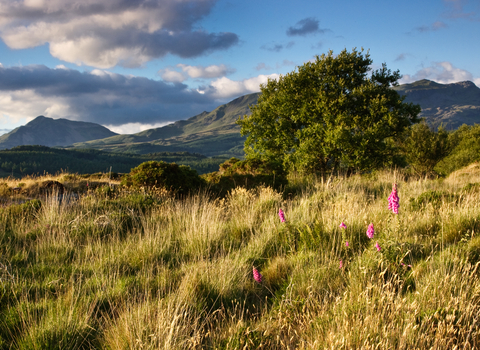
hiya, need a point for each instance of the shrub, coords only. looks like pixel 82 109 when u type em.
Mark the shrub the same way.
pixel 248 173
pixel 436 198
pixel 180 179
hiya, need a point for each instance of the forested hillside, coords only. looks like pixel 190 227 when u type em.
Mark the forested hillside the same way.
pixel 30 160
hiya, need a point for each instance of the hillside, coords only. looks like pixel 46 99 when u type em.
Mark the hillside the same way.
pixel 53 132
pixel 449 104
pixel 210 133
pixel 33 160
pixel 216 134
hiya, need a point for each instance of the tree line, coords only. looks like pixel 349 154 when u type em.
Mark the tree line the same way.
pixel 37 160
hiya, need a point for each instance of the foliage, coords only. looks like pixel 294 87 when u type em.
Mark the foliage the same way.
pixel 170 176
pixel 330 114
pixel 249 173
pixel 33 160
pixel 424 148
pixel 465 143
pixel 435 198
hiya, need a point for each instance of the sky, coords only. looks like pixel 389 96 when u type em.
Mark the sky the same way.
pixel 132 65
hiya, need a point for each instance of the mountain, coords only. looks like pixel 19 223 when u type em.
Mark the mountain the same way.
pixel 53 132
pixel 216 134
pixel 449 104
pixel 210 133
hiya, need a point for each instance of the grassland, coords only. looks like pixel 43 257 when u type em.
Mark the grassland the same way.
pixel 125 270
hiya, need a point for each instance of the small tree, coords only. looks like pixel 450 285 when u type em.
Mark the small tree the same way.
pixel 424 148
pixel 329 114
pixel 465 149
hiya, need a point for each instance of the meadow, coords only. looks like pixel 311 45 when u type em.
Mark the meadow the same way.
pixel 117 269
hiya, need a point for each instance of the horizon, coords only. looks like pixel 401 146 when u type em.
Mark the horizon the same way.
pixel 142 127
pixel 136 66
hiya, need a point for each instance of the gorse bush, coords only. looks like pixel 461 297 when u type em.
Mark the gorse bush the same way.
pixel 145 270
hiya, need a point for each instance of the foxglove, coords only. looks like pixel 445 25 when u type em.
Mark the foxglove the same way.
pixel 282 215
pixel 393 200
pixel 257 276
pixel 370 231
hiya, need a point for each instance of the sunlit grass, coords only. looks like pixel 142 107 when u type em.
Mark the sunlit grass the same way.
pixel 117 270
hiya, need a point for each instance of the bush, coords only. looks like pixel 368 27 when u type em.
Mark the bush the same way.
pixel 180 179
pixel 248 173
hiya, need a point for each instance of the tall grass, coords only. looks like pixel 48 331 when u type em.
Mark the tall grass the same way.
pixel 119 270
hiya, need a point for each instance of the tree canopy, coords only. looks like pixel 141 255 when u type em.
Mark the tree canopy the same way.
pixel 425 147
pixel 334 112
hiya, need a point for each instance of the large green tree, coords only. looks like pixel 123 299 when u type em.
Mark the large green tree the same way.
pixel 334 112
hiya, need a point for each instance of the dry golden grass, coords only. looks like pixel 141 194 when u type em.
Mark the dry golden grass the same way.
pixel 145 271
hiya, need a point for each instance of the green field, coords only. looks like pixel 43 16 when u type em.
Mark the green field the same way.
pixel 141 270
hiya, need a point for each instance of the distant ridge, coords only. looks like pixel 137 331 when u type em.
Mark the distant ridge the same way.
pixel 212 133
pixel 449 104
pixel 50 132
pixel 215 133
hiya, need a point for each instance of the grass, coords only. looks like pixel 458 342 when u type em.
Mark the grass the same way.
pixel 117 270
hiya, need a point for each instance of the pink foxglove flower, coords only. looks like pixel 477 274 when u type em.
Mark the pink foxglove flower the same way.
pixel 282 215
pixel 257 276
pixel 346 244
pixel 378 246
pixel 393 200
pixel 342 225
pixel 341 264
pixel 370 231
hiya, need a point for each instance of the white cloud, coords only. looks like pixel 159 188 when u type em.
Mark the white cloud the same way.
pixel 209 72
pixel 196 72
pixel 111 32
pixel 128 103
pixel 225 88
pixel 24 105
pixel 172 76
pixel 99 96
pixel 441 72
pixel 133 128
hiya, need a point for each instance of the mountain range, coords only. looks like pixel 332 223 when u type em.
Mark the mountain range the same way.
pixel 53 133
pixel 450 105
pixel 215 133
pixel 212 133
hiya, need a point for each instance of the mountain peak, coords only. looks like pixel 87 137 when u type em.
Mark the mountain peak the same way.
pixel 51 132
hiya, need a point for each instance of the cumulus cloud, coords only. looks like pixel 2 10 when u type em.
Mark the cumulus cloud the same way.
pixel 111 32
pixel 99 96
pixel 225 88
pixel 209 72
pixel 122 103
pixel 195 72
pixel 304 27
pixel 441 72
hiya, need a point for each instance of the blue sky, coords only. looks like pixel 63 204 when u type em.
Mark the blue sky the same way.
pixel 131 65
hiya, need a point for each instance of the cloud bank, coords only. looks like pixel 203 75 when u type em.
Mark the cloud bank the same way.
pixel 182 72
pixel 441 72
pixel 107 33
pixel 111 99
